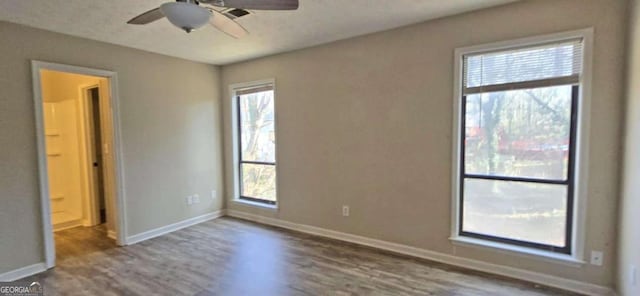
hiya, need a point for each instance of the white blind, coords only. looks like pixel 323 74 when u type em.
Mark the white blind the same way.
pixel 550 64
pixel 254 89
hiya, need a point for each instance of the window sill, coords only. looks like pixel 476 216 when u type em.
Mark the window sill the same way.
pixel 256 204
pixel 518 250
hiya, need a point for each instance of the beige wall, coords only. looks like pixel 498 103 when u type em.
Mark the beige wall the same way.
pixel 629 240
pixel 368 122
pixel 169 115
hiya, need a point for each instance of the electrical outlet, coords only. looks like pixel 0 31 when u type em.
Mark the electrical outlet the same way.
pixel 345 211
pixel 196 198
pixel 189 200
pixel 634 276
pixel 596 258
pixel 214 194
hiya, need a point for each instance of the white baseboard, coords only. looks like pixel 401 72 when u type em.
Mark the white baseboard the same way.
pixel 112 234
pixel 23 272
pixel 511 272
pixel 67 225
pixel 172 227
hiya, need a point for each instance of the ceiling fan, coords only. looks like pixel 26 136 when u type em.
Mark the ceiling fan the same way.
pixel 188 15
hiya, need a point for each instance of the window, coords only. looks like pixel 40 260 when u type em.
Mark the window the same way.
pixel 518 119
pixel 256 148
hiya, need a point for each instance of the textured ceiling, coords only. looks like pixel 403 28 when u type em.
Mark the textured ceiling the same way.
pixel 315 22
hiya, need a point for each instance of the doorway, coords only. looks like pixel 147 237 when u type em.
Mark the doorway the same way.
pixel 78 156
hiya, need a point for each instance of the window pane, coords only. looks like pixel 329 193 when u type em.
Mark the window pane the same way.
pixel 258 181
pixel 257 127
pixel 523 211
pixel 519 133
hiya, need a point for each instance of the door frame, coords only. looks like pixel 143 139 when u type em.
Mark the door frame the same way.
pixel 92 209
pixel 119 200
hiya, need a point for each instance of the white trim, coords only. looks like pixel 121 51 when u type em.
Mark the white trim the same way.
pixel 121 229
pixel 173 227
pixel 582 149
pixel 256 204
pixel 235 192
pixel 455 149
pixel 511 272
pixel 47 227
pixel 517 251
pixel 67 225
pixel 582 152
pixel 23 272
pixel 91 210
pixel 117 151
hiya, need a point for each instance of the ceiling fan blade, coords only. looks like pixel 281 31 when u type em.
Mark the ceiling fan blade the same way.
pixel 227 25
pixel 147 17
pixel 256 4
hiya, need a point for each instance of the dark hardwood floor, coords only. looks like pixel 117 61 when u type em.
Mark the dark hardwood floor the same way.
pixel 227 256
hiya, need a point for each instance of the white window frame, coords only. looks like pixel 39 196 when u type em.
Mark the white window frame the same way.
pixel 235 135
pixel 576 258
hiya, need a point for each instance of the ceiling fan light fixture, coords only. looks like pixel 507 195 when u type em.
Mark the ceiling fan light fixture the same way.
pixel 186 16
